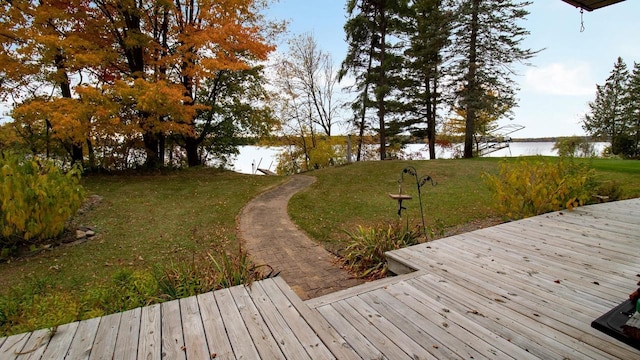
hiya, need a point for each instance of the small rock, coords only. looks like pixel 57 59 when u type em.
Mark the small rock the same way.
pixel 90 233
pixel 80 234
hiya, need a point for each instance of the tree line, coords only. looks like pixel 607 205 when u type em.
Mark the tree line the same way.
pixel 614 114
pixel 113 82
pixel 411 58
pixel 118 83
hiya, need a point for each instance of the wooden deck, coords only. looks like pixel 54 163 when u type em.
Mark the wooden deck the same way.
pixel 522 290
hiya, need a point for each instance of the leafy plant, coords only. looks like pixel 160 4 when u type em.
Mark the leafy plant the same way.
pixel 365 251
pixel 574 146
pixel 236 269
pixel 184 279
pixel 612 189
pixel 37 198
pixel 527 188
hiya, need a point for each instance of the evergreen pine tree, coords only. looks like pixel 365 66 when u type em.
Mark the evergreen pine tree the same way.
pixel 428 31
pixel 487 42
pixel 374 59
pixel 634 110
pixel 608 113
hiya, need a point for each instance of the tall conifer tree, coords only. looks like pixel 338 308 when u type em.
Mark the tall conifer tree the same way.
pixel 374 59
pixel 487 43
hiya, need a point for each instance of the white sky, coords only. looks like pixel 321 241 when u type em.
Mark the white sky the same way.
pixel 555 90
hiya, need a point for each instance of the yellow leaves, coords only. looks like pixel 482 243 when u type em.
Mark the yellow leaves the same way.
pixel 37 198
pixel 163 106
pixel 529 188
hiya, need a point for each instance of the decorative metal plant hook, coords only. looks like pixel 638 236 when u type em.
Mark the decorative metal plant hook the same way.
pixel 420 182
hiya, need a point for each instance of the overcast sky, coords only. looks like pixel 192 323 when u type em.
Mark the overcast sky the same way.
pixel 555 90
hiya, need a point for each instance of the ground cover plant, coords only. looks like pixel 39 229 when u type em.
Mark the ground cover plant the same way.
pixel 532 187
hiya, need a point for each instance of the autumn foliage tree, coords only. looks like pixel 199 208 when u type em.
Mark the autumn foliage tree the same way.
pixel 90 72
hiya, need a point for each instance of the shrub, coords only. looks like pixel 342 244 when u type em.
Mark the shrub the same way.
pixel 611 189
pixel 527 188
pixel 574 146
pixel 37 198
pixel 365 252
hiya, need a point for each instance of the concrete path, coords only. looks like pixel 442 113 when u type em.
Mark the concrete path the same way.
pixel 270 237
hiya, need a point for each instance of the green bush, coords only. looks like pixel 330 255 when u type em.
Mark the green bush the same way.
pixel 611 189
pixel 574 146
pixel 365 252
pixel 527 188
pixel 37 199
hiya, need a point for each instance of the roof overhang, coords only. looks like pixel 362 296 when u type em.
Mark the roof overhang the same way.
pixel 591 5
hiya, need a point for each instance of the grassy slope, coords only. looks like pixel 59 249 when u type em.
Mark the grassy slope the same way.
pixel 146 220
pixel 625 172
pixel 346 197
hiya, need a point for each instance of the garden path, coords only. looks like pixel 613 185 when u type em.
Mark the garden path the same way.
pixel 270 237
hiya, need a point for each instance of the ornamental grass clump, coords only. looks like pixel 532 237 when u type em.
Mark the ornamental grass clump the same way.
pixel 365 252
pixel 533 187
pixel 36 199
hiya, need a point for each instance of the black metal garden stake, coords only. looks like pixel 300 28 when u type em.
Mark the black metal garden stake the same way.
pixel 420 181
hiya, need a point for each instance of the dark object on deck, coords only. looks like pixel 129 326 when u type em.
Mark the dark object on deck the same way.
pixel 612 322
pixel 591 5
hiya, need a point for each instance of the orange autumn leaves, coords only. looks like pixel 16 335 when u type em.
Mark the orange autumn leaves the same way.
pixel 108 68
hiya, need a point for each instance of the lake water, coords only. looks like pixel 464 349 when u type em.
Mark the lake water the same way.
pixel 253 157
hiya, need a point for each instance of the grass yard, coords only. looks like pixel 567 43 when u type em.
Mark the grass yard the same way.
pixel 143 221
pixel 345 197
pixel 175 219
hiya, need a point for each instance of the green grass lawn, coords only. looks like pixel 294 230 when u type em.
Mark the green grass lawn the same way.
pixel 345 197
pixel 176 218
pixel 143 221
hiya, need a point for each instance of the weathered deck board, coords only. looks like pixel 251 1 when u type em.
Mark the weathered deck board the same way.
pixel 128 335
pixel 215 332
pixel 539 282
pixel 195 341
pixel 35 346
pixel 59 344
pixel 105 342
pixel 150 341
pixel 172 331
pixel 522 290
pixel 82 342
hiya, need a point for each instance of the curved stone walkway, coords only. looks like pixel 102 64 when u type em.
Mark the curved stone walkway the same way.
pixel 270 237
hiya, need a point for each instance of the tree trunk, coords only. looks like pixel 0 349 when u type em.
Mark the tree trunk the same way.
pixel 472 91
pixel 431 120
pixel 65 88
pixel 380 95
pixel 151 145
pixel 191 147
pixel 92 155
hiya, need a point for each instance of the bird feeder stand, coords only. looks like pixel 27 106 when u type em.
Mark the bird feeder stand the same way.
pixel 400 197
